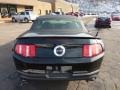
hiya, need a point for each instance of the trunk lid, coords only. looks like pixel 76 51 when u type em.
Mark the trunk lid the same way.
pixel 46 44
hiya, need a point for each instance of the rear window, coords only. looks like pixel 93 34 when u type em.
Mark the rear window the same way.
pixel 103 17
pixel 57 25
pixel 27 13
pixel 118 14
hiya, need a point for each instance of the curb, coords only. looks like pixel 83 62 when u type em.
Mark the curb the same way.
pixel 2 22
pixel 5 21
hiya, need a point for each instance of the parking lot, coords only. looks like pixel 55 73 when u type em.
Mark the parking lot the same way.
pixel 108 78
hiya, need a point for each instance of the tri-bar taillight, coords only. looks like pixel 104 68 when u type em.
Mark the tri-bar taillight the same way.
pixel 91 50
pixel 25 50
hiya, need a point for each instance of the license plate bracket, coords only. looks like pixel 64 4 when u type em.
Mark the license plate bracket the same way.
pixel 66 68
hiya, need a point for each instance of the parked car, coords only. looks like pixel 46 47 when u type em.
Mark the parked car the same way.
pixel 73 14
pixel 82 14
pixel 103 21
pixel 56 13
pixel 116 16
pixel 58 47
pixel 25 16
pixel 79 14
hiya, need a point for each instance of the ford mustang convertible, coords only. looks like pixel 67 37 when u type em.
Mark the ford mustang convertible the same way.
pixel 58 47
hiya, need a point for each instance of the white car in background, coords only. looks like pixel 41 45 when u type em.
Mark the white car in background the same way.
pixel 25 16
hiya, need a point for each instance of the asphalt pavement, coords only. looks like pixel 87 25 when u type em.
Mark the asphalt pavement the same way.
pixel 108 78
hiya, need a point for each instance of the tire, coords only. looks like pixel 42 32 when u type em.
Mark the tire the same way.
pixel 14 20
pixel 26 20
pixel 96 26
pixel 109 26
pixel 33 20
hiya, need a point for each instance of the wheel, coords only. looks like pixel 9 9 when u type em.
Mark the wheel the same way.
pixel 33 20
pixel 109 26
pixel 96 26
pixel 14 20
pixel 26 20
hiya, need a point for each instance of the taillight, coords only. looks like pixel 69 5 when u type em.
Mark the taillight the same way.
pixel 91 50
pixel 25 50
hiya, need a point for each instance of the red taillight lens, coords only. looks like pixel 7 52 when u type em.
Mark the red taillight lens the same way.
pixel 91 50
pixel 25 50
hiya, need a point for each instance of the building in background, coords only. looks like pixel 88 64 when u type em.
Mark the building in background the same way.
pixel 40 7
pixel 9 7
pixel 64 6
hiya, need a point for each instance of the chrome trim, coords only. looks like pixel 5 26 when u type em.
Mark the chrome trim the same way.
pixel 85 74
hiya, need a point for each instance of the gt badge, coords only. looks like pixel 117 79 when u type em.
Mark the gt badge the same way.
pixel 59 51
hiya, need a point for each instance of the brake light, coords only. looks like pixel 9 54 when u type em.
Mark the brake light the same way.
pixel 25 50
pixel 91 50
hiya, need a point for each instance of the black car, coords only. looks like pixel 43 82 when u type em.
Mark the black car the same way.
pixel 103 22
pixel 58 47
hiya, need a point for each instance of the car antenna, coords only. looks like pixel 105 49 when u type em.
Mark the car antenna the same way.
pixel 97 32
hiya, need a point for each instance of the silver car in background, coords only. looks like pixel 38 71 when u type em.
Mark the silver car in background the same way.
pixel 25 16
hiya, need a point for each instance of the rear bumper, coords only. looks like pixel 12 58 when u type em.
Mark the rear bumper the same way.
pixel 79 71
pixel 59 76
pixel 102 24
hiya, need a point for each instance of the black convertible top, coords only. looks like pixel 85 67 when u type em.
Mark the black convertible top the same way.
pixel 34 31
pixel 58 16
